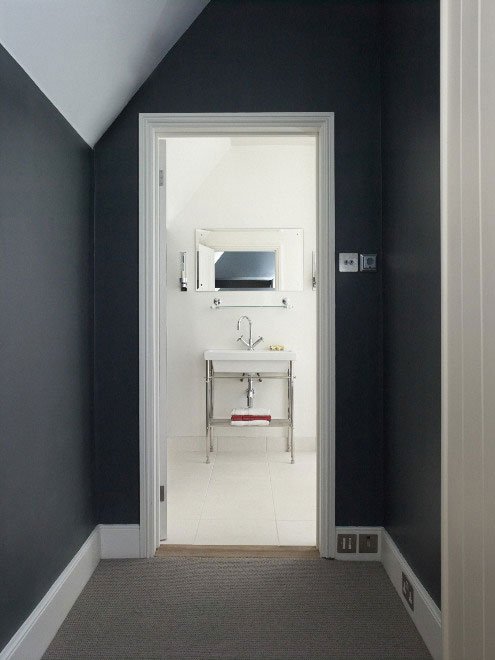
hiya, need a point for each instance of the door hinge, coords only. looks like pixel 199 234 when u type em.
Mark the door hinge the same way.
pixel 162 493
pixel 160 178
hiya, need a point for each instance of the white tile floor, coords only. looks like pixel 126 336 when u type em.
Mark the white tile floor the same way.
pixel 253 497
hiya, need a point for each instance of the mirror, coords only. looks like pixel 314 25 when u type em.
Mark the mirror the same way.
pixel 249 259
pixel 244 270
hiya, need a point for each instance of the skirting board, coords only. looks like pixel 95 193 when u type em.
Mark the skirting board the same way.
pixel 426 615
pixel 34 636
pixel 122 541
pixel 119 541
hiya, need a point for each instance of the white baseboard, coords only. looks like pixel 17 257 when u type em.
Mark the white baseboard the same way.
pixel 34 636
pixel 122 541
pixel 426 615
pixel 119 541
pixel 360 556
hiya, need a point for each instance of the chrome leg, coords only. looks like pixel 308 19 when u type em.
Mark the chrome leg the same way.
pixel 208 411
pixel 292 448
pixel 211 405
pixel 288 412
pixel 291 414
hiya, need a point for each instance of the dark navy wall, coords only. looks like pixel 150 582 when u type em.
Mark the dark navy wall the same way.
pixel 46 503
pixel 252 56
pixel 411 282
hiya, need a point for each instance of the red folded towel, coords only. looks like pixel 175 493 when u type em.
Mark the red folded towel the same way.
pixel 251 418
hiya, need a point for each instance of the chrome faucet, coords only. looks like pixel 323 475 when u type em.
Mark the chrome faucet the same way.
pixel 250 344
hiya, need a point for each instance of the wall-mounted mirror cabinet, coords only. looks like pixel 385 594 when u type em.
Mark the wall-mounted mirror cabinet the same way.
pixel 249 259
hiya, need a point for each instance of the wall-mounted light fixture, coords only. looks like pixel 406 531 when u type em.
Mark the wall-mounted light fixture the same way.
pixel 183 271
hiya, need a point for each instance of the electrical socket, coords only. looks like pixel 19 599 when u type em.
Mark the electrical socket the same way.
pixel 368 543
pixel 346 543
pixel 408 591
pixel 348 262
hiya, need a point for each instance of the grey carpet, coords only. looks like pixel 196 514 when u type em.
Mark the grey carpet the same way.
pixel 237 608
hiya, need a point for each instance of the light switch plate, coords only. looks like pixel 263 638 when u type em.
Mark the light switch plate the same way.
pixel 368 263
pixel 348 262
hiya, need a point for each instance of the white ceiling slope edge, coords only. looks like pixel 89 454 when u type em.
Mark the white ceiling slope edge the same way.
pixel 90 56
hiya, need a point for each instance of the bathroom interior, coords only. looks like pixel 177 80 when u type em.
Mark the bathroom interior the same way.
pixel 239 448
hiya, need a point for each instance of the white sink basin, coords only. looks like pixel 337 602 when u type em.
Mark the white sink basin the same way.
pixel 249 362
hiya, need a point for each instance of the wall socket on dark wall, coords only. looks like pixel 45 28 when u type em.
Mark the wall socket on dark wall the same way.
pixel 346 543
pixel 408 591
pixel 368 543
pixel 357 543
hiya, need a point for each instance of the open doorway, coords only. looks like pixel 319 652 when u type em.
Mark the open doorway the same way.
pixel 269 483
pixel 240 218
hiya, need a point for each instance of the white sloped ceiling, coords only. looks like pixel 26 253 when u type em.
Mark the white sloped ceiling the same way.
pixel 90 56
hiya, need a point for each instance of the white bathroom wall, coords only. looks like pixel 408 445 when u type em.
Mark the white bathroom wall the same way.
pixel 258 182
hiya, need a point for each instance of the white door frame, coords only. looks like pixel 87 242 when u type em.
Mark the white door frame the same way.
pixel 152 126
pixel 468 327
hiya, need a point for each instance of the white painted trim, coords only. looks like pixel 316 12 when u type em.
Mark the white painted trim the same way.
pixel 149 314
pixel 449 26
pixel 325 411
pixel 360 556
pixel 34 636
pixel 119 541
pixel 468 327
pixel 426 616
pixel 123 541
pixel 151 127
pixel 36 633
